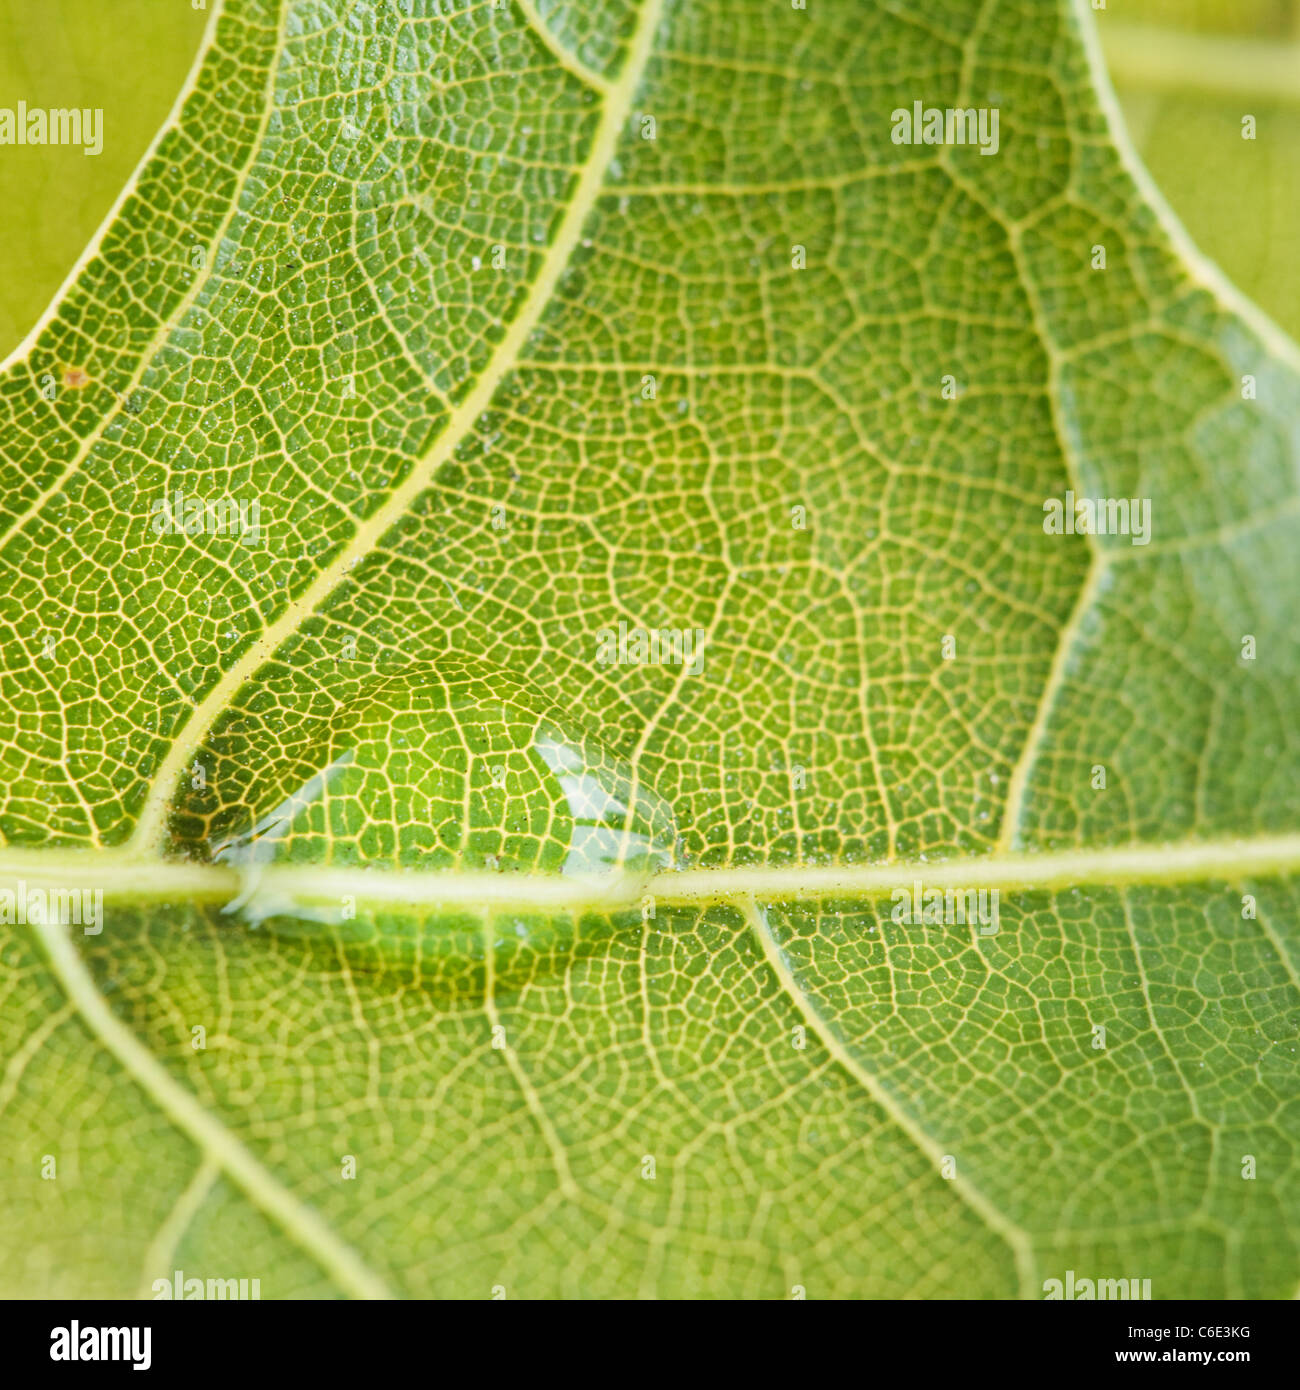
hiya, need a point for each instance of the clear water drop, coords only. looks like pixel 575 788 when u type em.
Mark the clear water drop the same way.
pixel 457 767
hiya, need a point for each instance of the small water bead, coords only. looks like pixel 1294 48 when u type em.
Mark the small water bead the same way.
pixel 458 766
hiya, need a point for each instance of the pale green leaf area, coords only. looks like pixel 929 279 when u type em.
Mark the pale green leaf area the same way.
pixel 128 59
pixel 1246 197
pixel 441 955
pixel 1189 76
pixel 1273 19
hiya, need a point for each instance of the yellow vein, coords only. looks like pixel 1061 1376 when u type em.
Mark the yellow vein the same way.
pixel 1016 1239
pixel 1202 270
pixel 551 1137
pixel 168 325
pixel 569 61
pixel 1144 984
pixel 118 874
pixel 213 1139
pixel 616 107
pixel 18 1062
pixel 1275 940
pixel 1066 647
pixel 1028 759
pixel 96 241
pixel 161 1254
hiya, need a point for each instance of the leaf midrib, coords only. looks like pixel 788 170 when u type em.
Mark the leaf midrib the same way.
pixel 122 873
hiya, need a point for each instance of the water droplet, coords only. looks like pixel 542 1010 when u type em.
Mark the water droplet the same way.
pixel 459 768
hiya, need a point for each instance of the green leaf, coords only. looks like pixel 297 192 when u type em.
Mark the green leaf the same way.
pixel 443 951
pixel 68 52
pixel 1186 98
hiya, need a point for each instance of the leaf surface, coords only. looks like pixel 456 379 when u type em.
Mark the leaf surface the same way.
pixel 515 967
